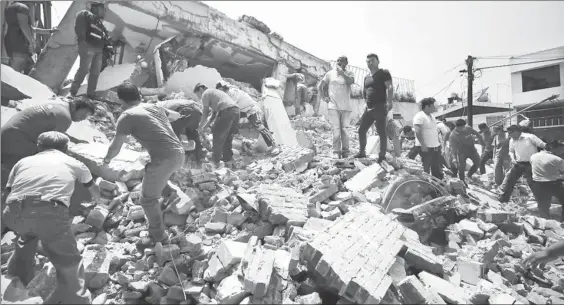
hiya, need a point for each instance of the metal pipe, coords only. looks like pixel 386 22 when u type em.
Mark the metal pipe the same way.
pixel 519 112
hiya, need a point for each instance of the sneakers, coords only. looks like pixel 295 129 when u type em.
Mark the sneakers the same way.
pixel 361 154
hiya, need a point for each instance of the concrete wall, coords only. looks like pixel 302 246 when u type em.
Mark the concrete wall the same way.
pixel 519 97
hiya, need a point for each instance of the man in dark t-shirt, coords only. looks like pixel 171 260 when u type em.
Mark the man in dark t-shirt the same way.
pixel 378 92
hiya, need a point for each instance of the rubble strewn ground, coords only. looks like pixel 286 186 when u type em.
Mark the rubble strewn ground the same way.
pixel 303 228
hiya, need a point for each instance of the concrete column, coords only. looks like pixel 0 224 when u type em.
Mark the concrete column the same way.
pixel 278 73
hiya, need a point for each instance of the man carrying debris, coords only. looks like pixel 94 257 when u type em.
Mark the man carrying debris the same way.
pixel 291 90
pixel 37 209
pixel 225 118
pixel 149 125
pixel 548 181
pixel 335 89
pixel 427 137
pixel 19 134
pixel 92 39
pixel 487 150
pixel 250 109
pixel 378 93
pixel 462 148
pixel 502 162
pixel 521 147
pixel 187 124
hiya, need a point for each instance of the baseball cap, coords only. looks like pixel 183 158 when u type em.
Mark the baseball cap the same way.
pixel 198 86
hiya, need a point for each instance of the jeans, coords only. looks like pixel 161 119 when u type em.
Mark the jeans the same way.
pixel 377 115
pixel 543 192
pixel 501 166
pixel 486 156
pixel 188 125
pixel 21 62
pixel 226 125
pixel 339 121
pixel 517 170
pixel 155 180
pixel 91 64
pixel 256 121
pixel 413 152
pixel 432 162
pixel 34 220
pixel 468 153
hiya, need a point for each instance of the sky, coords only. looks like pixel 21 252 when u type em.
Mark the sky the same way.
pixel 425 41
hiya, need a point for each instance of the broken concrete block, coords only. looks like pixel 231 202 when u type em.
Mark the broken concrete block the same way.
pixel 17 86
pixel 366 178
pixel 127 165
pixel 470 227
pixel 96 260
pixel 236 219
pixel 423 260
pixel 450 293
pixel 231 291
pixel 198 270
pixel 281 205
pixel 415 293
pixel 175 293
pixel 97 216
pixel 310 299
pixel 259 272
pixel 496 216
pixel 136 212
pixel 191 243
pixel 173 219
pixel 215 271
pixel 324 194
pixel 470 271
pixel 106 185
pixel 502 298
pixel 230 252
pixel 184 201
pixel 168 276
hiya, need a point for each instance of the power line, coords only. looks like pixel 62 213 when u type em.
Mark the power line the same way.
pixel 446 87
pixel 445 73
pixel 517 64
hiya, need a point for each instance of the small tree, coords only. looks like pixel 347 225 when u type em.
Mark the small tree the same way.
pixel 404 97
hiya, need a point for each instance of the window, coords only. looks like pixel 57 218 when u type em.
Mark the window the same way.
pixel 542 78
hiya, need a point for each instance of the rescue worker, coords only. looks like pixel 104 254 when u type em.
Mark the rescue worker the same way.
pixel 19 39
pixel 408 135
pixel 19 134
pixel 548 181
pixel 149 125
pixel 291 91
pixel 37 209
pixel 449 160
pixel 541 257
pixel 303 96
pixel 225 118
pixel 502 162
pixel 92 40
pixel 187 125
pixel 462 148
pixel 521 147
pixel 250 109
pixel 487 150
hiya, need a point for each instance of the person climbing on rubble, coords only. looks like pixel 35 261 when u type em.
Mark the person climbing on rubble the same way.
pixel 19 38
pixel 521 147
pixel 462 148
pixel 187 124
pixel 37 209
pixel 250 109
pixel 502 161
pixel 19 134
pixel 335 89
pixel 408 135
pixel 93 42
pixel 487 150
pixel 427 137
pixel 548 181
pixel 547 255
pixel 149 125
pixel 291 90
pixel 378 94
pixel 225 119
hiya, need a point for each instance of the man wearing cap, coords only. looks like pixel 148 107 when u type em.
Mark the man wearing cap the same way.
pixel 335 89
pixel 225 118
pixel 149 125
pixel 521 147
pixel 37 209
pixel 462 148
pixel 19 134
pixel 291 90
pixel 548 181
pixel 249 108
pixel 92 39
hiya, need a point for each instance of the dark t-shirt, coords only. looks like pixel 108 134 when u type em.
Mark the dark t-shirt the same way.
pixel 375 87
pixel 15 40
pixel 149 125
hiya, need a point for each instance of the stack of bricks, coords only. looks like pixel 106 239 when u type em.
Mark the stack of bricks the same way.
pixel 294 158
pixel 281 205
pixel 367 178
pixel 354 254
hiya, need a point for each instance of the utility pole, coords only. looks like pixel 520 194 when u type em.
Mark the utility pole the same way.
pixel 469 70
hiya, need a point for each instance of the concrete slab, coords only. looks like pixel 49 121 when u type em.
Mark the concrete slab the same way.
pixel 277 119
pixel 110 78
pixel 21 86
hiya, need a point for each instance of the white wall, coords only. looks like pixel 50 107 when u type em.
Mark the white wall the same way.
pixel 520 97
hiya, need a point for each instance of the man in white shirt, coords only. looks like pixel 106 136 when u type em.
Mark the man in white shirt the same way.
pixel 427 137
pixel 521 147
pixel 548 181
pixel 335 89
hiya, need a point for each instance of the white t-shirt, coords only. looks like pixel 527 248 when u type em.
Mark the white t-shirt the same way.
pixel 339 91
pixel 429 126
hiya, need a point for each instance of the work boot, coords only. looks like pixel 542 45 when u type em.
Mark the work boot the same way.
pixel 381 159
pixel 361 154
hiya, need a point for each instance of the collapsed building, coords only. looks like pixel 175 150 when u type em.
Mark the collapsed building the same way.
pixel 296 228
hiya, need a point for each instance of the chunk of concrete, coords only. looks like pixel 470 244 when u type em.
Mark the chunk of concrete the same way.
pixel 277 118
pixel 281 205
pixel 110 78
pixel 424 261
pixel 447 291
pixel 416 293
pixel 470 271
pixel 231 291
pixel 259 272
pixel 96 260
pixel 366 178
pixel 184 201
pixel 230 252
pixel 17 86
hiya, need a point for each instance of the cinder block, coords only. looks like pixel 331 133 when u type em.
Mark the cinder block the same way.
pixel 324 194
pixel 415 293
pixel 470 271
pixel 230 252
pixel 259 273
pixel 448 292
pixel 423 261
pixel 366 178
pixel 281 205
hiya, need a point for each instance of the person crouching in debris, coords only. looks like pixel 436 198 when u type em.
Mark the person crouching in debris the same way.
pixel 92 40
pixel 149 125
pixel 188 124
pixel 548 181
pixel 250 109
pixel 37 209
pixel 225 118
pixel 502 162
pixel 462 148
pixel 19 134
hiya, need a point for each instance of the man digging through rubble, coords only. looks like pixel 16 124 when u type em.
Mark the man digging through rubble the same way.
pixel 149 125
pixel 427 137
pixel 250 109
pixel 548 181
pixel 521 147
pixel 502 162
pixel 37 209
pixel 335 89
pixel 378 94
pixel 93 40
pixel 225 118
pixel 462 148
